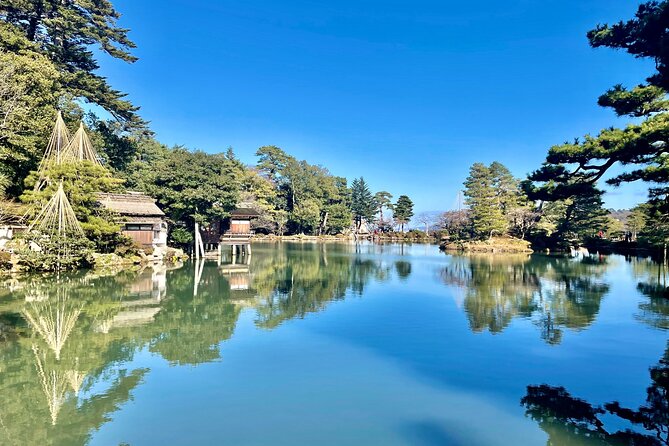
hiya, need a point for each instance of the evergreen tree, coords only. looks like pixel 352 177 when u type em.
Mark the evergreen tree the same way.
pixel 363 205
pixel 573 169
pixel 194 186
pixel 29 92
pixel 383 201
pixel 64 31
pixel 403 211
pixel 583 218
pixel 313 199
pixel 484 202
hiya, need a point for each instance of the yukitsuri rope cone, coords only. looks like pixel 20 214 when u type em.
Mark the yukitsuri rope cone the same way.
pixel 54 153
pixel 53 320
pixel 80 148
pixel 57 223
pixel 54 385
pixel 57 217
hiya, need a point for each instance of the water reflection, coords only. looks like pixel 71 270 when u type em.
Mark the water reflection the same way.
pixel 570 420
pixel 68 339
pixel 67 342
pixel 652 282
pixel 555 292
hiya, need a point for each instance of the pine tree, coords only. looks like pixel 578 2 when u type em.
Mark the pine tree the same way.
pixel 403 211
pixel 573 169
pixel 483 201
pixel 65 31
pixel 383 201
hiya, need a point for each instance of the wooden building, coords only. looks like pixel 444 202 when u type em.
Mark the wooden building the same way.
pixel 140 218
pixel 12 222
pixel 237 226
pixel 240 221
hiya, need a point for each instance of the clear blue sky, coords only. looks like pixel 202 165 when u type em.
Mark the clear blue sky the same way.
pixel 406 93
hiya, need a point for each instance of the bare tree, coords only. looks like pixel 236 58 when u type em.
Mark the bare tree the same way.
pixel 427 219
pixel 522 219
pixel 456 223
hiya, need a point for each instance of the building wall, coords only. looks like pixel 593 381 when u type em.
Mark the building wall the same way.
pixel 147 235
pixel 239 226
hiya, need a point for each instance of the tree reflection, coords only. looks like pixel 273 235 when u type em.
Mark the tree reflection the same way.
pixel 69 340
pixel 291 283
pixel 652 282
pixel 48 372
pixel 569 420
pixel 554 292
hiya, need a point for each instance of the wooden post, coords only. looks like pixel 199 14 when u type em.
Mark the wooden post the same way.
pixel 197 241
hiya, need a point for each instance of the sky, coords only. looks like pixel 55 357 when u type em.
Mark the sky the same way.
pixel 407 94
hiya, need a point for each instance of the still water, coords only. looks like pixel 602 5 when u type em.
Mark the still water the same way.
pixel 304 344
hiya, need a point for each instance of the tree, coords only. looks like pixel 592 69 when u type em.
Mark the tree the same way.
pixel 507 191
pixel 29 92
pixel 484 202
pixel 403 211
pixel 573 169
pixel 427 219
pixel 194 186
pixel 81 182
pixel 636 221
pixel 383 201
pixel 363 205
pixel 308 194
pixel 584 216
pixel 457 224
pixel 64 31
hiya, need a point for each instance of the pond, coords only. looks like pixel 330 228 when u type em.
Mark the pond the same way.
pixel 334 344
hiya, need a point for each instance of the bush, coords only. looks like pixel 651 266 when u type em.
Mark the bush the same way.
pixel 5 260
pixel 55 253
pixel 127 248
pixel 181 236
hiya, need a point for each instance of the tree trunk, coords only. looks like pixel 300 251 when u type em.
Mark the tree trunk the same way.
pixel 324 224
pixel 34 21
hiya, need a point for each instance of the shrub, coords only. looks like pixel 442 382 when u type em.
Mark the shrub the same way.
pixel 55 253
pixel 5 260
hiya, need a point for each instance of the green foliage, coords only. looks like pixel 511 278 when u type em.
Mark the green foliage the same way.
pixel 181 236
pixel 193 186
pixel 339 218
pixel 306 215
pixel 403 211
pixel 82 182
pixel 64 32
pixel 363 204
pixel 38 252
pixel 484 198
pixel 636 221
pixel 383 200
pixel 572 170
pixel 5 260
pixel 29 93
pixel 307 195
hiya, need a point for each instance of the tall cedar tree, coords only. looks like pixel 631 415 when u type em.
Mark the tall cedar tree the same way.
pixel 484 198
pixel 65 31
pixel 363 204
pixel 403 211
